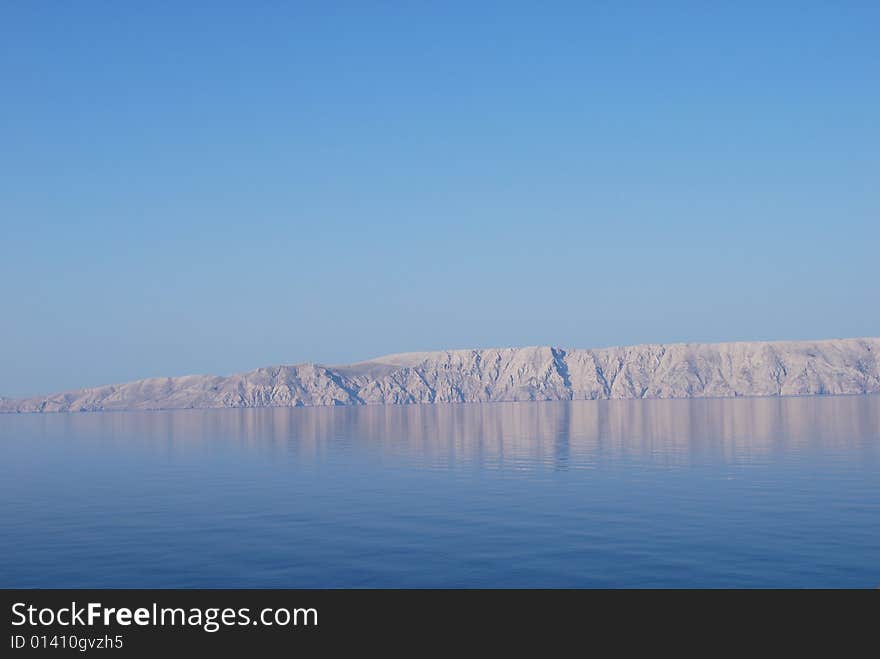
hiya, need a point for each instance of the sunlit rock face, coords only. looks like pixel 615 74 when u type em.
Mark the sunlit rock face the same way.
pixel 790 368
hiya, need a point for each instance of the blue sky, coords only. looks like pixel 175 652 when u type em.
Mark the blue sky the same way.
pixel 191 188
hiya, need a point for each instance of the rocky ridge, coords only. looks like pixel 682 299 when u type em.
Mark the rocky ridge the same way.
pixel 789 368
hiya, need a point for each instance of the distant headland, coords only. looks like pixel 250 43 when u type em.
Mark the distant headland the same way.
pixel 685 370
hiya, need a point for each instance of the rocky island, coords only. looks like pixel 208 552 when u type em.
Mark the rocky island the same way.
pixel 689 370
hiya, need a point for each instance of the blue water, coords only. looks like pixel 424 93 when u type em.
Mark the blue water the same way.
pixel 748 492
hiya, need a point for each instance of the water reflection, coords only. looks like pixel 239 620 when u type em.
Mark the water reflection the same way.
pixel 559 434
pixel 747 492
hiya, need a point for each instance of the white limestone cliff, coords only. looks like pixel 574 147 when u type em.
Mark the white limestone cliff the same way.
pixel 788 368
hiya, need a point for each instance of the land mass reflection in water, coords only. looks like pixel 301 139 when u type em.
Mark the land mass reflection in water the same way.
pixel 724 492
pixel 528 433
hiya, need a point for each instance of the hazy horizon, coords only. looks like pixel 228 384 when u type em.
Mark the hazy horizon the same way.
pixel 228 188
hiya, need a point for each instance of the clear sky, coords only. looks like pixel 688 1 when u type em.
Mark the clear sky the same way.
pixel 208 188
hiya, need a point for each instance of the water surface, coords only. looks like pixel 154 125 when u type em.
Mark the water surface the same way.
pixel 746 492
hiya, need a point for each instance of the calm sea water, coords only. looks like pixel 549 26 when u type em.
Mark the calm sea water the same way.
pixel 749 492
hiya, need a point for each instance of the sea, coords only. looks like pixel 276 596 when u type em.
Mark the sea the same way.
pixel 711 493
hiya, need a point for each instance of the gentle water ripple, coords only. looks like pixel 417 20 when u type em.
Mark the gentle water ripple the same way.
pixel 748 492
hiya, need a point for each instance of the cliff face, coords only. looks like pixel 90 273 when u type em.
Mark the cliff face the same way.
pixel 795 368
